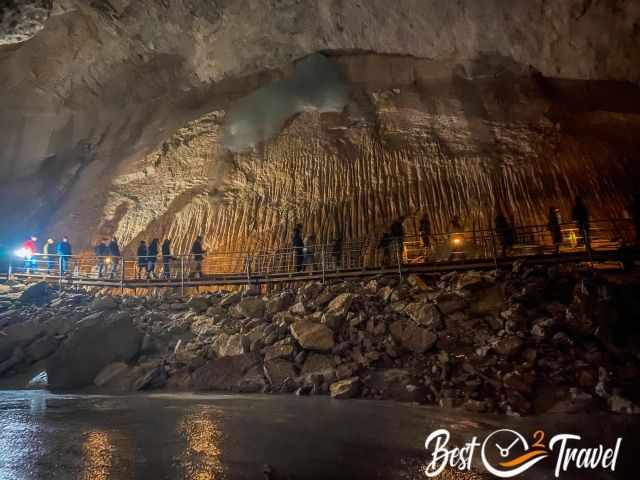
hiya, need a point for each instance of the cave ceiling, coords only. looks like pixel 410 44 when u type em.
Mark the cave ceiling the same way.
pixel 118 117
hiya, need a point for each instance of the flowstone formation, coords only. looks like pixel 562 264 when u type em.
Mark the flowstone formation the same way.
pixel 532 340
pixel 419 140
pixel 453 107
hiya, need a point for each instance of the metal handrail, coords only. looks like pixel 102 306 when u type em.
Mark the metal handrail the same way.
pixel 324 258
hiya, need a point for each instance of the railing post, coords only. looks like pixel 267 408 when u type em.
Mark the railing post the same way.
pixel 247 262
pixel 123 265
pixel 322 257
pixel 398 243
pixel 494 248
pixel 10 272
pixel 182 275
pixel 60 272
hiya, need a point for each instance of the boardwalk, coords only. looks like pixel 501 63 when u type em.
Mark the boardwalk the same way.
pixel 455 251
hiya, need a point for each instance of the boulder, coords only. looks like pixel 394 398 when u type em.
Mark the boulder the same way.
pixel 108 373
pixel 278 351
pixel 41 348
pixel 298 309
pixel 311 290
pixel 104 304
pixel 488 301
pixel 313 336
pixel 509 346
pixel 228 345
pixel 231 299
pixel 339 306
pixel 251 307
pixel 425 314
pixel 94 345
pixel 223 374
pixel 16 358
pixel 413 337
pixel 450 303
pixel 19 335
pixel 198 304
pixel 280 303
pixel 416 281
pixel 393 384
pixel 252 382
pixel 153 379
pixel 36 293
pixel 318 363
pixel 277 371
pixel 344 389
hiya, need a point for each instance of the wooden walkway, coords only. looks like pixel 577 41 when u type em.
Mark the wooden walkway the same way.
pixel 242 278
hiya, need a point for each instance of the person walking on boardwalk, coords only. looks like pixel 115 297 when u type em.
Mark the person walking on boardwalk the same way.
pixel 63 249
pixel 336 250
pixel 102 252
pixel 142 257
pixel 397 234
pixel 298 248
pixel 580 215
pixel 30 248
pixel 309 252
pixel 425 234
pixel 49 251
pixel 385 245
pixel 114 253
pixel 166 259
pixel 197 253
pixel 504 233
pixel 152 258
pixel 553 225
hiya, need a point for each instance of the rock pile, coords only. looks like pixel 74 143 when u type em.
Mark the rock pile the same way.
pixel 533 340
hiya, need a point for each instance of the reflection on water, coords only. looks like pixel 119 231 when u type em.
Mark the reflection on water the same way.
pixel 201 459
pixel 146 437
pixel 97 450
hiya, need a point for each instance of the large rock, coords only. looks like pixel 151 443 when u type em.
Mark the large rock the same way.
pixel 280 303
pixel 344 389
pixel 278 370
pixel 16 358
pixel 108 373
pixel 339 306
pixel 228 345
pixel 413 337
pixel 19 335
pixel 313 336
pixel 36 293
pixel 104 304
pixel 425 314
pixel 223 374
pixel 95 344
pixel 395 384
pixel 251 307
pixel 279 350
pixel 450 303
pixel 41 348
pixel 318 363
pixel 198 304
pixel 509 346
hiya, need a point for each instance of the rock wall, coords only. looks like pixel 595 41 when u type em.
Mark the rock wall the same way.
pixel 419 138
pixel 103 84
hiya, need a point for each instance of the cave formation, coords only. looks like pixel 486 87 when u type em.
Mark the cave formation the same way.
pixel 117 115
